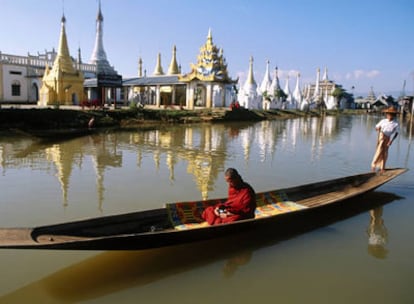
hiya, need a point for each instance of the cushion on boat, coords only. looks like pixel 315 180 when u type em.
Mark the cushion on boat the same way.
pixel 191 226
pixel 189 212
pixel 274 202
pixel 187 215
pixel 270 197
pixel 277 208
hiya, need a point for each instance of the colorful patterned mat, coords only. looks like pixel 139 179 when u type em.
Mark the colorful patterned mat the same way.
pixel 277 208
pixel 187 215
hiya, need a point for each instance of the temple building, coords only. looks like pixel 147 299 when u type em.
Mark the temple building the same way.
pixel 248 96
pixel 103 87
pixel 55 78
pixel 21 76
pixel 322 94
pixel 207 85
pixel 269 95
pixel 63 83
pixel 297 93
pixel 158 89
pixel 276 97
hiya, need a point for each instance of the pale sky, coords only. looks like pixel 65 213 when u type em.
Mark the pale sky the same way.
pixel 364 43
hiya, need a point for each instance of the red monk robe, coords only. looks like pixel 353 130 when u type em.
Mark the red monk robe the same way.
pixel 240 204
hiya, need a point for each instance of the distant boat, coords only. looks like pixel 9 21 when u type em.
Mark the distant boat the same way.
pixel 279 212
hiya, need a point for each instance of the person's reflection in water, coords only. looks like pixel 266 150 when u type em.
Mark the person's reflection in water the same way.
pixel 377 234
pixel 235 262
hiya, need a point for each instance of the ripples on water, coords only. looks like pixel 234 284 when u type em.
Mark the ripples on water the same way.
pixel 118 172
pixel 125 171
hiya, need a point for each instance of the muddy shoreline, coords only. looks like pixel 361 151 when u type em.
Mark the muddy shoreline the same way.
pixel 46 119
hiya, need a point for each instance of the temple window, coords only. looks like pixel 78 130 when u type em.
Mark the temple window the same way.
pixel 15 88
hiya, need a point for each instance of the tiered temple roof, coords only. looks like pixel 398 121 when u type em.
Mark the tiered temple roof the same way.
pixel 211 65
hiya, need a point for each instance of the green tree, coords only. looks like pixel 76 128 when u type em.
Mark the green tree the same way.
pixel 279 93
pixel 338 93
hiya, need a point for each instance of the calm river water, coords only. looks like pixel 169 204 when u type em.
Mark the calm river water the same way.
pixel 111 173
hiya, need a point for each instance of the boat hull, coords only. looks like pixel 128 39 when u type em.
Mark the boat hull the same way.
pixel 325 202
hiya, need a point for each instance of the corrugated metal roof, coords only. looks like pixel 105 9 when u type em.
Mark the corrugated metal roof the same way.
pixel 140 81
pixel 152 80
pixel 90 83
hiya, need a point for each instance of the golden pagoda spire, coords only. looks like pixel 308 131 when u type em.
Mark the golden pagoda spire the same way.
pixel 63 62
pixel 211 64
pixel 250 77
pixel 158 68
pixel 173 68
pixel 209 37
pixel 63 83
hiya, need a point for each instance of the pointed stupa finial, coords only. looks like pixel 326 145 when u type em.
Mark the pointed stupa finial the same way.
pixel 99 17
pixel 209 37
pixel 140 67
pixel 173 68
pixel 63 61
pixel 63 19
pixel 267 80
pixel 287 88
pixel 250 77
pixel 98 53
pixel 79 56
pixel 316 92
pixel 297 94
pixel 325 75
pixel 158 68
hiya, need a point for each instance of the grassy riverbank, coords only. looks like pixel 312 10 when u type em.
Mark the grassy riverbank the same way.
pixel 26 119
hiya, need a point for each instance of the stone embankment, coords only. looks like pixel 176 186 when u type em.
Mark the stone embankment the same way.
pixel 48 118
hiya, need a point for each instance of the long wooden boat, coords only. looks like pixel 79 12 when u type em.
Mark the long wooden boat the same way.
pixel 282 211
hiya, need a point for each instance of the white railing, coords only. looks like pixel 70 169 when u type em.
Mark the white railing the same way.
pixel 35 62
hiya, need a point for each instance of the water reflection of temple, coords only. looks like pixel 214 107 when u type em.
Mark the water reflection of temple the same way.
pixel 205 149
pixel 198 146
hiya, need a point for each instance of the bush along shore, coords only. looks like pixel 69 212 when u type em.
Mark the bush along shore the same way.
pixel 44 119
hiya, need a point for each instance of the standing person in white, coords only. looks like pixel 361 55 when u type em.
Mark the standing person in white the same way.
pixel 388 129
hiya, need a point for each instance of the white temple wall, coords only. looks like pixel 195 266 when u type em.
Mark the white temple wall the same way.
pixel 250 100
pixel 217 96
pixel 15 75
pixel 230 95
pixel 223 95
pixel 331 103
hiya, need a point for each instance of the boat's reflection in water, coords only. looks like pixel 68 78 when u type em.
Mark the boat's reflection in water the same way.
pixel 113 271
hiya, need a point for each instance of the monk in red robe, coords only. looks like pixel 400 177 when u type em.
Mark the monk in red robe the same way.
pixel 240 204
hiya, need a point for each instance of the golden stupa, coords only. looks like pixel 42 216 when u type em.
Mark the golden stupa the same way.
pixel 62 84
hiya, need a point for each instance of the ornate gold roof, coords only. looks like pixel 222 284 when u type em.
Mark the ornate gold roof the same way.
pixel 211 64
